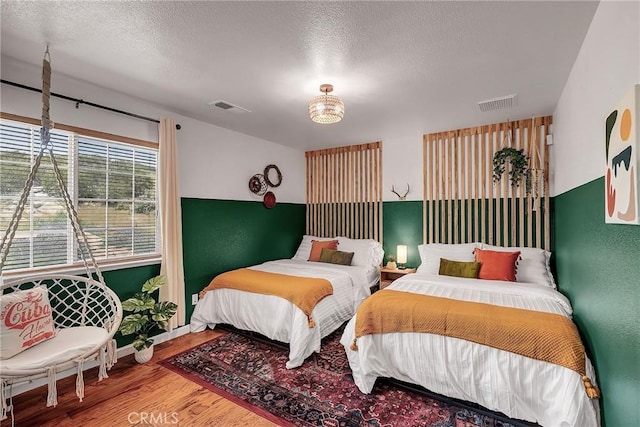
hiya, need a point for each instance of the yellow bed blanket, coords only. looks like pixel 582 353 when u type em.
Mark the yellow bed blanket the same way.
pixel 543 336
pixel 304 292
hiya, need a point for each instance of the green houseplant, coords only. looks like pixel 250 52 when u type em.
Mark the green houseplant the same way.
pixel 145 314
pixel 519 167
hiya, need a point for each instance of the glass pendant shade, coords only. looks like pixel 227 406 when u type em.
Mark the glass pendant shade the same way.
pixel 326 109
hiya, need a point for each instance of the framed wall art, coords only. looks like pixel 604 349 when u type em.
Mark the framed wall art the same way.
pixel 622 140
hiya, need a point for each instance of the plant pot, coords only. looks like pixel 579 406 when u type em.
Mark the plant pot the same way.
pixel 391 265
pixel 144 355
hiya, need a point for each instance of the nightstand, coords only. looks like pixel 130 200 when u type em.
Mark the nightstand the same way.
pixel 387 276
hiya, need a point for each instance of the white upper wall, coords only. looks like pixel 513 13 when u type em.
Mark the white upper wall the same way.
pixel 607 66
pixel 402 165
pixel 215 163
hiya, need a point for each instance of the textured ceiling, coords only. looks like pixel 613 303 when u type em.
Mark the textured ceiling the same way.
pixel 399 66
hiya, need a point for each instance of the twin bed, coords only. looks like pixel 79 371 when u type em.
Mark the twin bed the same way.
pixel 529 378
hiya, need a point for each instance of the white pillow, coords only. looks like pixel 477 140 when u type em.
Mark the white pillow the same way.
pixel 366 252
pixel 25 320
pixel 304 250
pixel 533 265
pixel 431 253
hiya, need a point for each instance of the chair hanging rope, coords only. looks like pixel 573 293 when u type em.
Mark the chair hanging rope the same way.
pixel 46 145
pixel 82 307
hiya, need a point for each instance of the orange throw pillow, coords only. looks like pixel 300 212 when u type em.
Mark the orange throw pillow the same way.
pixel 317 246
pixel 496 265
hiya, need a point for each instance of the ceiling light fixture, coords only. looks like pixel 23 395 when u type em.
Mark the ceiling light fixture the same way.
pixel 326 109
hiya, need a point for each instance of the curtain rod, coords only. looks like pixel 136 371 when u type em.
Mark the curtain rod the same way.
pixel 82 101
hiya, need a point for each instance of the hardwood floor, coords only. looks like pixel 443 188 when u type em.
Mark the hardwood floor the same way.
pixel 133 392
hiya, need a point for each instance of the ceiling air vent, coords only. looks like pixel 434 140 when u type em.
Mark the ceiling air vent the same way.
pixel 499 103
pixel 227 106
pixel 223 105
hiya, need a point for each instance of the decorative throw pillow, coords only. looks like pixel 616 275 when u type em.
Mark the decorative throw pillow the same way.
pixel 304 250
pixel 497 265
pixel 533 265
pixel 468 270
pixel 431 253
pixel 318 246
pixel 25 320
pixel 336 257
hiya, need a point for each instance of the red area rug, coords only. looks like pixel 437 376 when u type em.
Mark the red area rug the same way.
pixel 321 392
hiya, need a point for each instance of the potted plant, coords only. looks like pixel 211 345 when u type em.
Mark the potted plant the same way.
pixel 391 262
pixel 145 315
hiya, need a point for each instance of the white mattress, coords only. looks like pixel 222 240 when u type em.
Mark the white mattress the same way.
pixel 518 386
pixel 279 319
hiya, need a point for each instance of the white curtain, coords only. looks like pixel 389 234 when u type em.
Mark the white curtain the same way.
pixel 171 222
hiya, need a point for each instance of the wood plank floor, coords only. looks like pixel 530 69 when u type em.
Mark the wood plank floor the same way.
pixel 133 389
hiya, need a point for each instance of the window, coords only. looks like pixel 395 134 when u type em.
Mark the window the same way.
pixel 112 185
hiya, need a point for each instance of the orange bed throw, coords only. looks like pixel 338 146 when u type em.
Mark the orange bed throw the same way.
pixel 304 292
pixel 543 336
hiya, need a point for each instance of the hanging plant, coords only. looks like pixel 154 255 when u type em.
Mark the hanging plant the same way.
pixel 519 167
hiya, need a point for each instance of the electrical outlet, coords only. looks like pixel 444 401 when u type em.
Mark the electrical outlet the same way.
pixel 194 299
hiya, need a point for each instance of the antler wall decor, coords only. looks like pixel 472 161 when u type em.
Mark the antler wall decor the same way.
pixel 403 197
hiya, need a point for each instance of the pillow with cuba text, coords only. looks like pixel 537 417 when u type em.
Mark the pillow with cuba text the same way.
pixel 25 320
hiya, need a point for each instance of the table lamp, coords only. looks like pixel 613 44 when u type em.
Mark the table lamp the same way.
pixel 402 256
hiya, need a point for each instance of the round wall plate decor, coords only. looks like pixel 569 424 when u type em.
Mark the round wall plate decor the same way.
pixel 269 200
pixel 257 184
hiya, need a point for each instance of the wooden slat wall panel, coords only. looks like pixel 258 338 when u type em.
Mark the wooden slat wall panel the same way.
pixel 344 192
pixel 461 203
pixel 545 179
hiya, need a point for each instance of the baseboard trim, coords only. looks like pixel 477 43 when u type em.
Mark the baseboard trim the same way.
pixel 122 352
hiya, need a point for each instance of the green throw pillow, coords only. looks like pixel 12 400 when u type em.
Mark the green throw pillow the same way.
pixel 336 257
pixel 459 269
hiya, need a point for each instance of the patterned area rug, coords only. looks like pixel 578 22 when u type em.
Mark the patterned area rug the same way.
pixel 319 393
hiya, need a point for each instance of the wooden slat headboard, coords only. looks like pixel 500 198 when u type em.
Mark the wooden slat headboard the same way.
pixel 461 202
pixel 344 192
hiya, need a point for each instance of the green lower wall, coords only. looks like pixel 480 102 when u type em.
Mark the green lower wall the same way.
pixel 402 225
pixel 221 235
pixel 127 282
pixel 598 267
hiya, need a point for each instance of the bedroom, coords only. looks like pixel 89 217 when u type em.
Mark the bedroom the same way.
pixel 222 219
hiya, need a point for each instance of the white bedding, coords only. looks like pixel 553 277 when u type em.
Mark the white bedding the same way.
pixel 279 319
pixel 520 387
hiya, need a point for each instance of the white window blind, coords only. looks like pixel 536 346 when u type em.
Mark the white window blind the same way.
pixel 112 184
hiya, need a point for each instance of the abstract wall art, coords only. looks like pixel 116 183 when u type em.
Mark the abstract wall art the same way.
pixel 622 140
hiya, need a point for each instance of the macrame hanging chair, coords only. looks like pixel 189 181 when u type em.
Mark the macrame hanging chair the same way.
pixel 86 313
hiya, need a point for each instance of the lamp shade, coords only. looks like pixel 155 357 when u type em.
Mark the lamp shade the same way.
pixel 402 254
pixel 326 109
